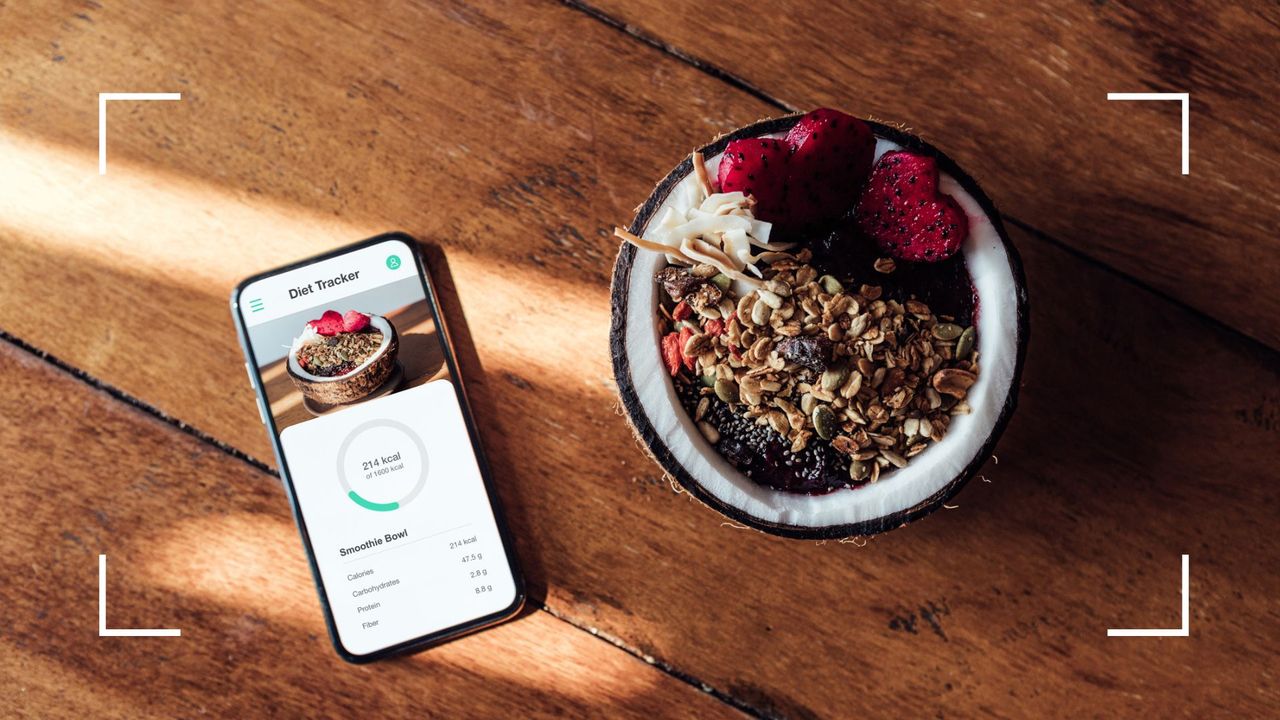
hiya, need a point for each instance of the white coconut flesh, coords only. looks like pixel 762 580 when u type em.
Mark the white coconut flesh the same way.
pixel 927 473
pixel 376 321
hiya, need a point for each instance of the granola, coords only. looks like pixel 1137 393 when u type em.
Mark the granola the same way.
pixel 876 380
pixel 339 354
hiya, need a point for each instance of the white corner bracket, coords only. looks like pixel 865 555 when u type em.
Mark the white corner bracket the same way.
pixel 1185 98
pixel 103 630
pixel 1183 631
pixel 102 118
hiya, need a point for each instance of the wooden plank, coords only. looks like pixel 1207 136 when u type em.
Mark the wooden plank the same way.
pixel 1017 93
pixel 1119 449
pixel 1141 435
pixel 200 541
pixel 435 119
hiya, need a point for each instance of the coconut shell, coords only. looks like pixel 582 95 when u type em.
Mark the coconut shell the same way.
pixel 353 386
pixel 641 424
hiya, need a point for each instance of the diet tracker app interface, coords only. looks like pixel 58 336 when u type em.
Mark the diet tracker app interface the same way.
pixel 352 365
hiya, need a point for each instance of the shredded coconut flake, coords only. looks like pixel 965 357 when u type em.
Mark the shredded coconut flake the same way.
pixel 309 336
pixel 719 229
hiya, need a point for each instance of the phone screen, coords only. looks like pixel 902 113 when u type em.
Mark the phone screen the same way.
pixel 374 441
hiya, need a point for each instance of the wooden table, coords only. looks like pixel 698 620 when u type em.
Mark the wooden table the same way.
pixel 511 137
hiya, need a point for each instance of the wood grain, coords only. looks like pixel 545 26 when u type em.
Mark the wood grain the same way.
pixel 198 191
pixel 1144 431
pixel 200 541
pixel 1017 92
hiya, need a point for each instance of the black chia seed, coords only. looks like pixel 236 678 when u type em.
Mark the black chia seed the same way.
pixel 761 453
pixel 765 456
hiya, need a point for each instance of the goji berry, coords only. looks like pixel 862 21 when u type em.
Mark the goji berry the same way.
pixel 685 334
pixel 671 355
pixel 682 311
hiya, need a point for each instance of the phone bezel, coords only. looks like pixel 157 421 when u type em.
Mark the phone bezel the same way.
pixel 441 636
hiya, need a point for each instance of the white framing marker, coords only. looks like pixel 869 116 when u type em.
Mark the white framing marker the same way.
pixel 103 630
pixel 102 118
pixel 1183 631
pixel 1186 118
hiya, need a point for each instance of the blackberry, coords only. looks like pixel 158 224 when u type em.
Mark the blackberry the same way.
pixel 811 351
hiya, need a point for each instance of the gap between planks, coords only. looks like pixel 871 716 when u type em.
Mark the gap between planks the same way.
pixel 762 95
pixel 204 437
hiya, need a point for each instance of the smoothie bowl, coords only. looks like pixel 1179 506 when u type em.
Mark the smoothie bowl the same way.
pixel 818 326
pixel 341 358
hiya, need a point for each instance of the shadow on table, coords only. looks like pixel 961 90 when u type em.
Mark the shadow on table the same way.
pixel 512 501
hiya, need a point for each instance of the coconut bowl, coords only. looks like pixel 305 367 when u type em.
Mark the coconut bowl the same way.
pixel 357 384
pixel 653 408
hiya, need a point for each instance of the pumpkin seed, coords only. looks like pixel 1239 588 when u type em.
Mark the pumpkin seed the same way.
pixel 726 390
pixel 947 331
pixel 721 281
pixel 824 422
pixel 830 285
pixel 834 377
pixel 709 379
pixel 858 471
pixel 965 344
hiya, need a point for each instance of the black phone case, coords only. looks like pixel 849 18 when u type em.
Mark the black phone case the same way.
pixel 447 634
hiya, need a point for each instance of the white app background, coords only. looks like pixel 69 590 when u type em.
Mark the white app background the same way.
pixel 398 517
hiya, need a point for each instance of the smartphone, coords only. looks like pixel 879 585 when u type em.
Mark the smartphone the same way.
pixel 359 390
